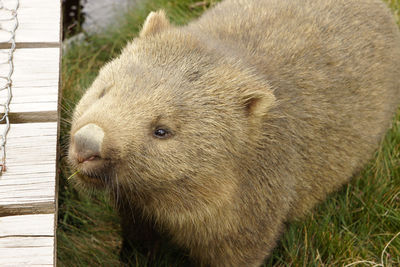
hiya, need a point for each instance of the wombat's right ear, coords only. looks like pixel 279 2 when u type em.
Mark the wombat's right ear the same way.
pixel 155 23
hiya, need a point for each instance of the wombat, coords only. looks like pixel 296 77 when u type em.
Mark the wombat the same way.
pixel 216 133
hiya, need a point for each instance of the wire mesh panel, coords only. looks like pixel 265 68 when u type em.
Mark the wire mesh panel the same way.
pixel 8 26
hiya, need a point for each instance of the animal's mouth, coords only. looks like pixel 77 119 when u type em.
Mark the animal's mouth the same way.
pixel 95 173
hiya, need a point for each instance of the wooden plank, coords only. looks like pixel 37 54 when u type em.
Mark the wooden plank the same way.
pixel 26 251
pixel 28 185
pixel 35 84
pixel 27 240
pixel 39 21
pixel 27 225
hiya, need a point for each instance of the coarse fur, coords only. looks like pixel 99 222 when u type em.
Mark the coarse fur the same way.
pixel 269 106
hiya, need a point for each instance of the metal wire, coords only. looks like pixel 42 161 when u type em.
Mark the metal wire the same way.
pixel 8 24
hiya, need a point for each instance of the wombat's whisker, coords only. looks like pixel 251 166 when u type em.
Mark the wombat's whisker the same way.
pixel 66 121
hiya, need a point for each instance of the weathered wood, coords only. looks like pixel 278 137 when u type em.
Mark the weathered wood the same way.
pixel 27 240
pixel 27 225
pixel 34 84
pixel 28 187
pixel 38 21
pixel 27 208
pixel 26 251
pixel 29 181
pixel 39 116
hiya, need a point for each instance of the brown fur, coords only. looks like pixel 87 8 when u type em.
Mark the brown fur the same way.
pixel 272 104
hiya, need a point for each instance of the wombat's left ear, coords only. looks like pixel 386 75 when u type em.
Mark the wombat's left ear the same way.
pixel 155 23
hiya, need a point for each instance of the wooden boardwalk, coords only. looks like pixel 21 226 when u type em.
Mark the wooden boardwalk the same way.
pixel 28 188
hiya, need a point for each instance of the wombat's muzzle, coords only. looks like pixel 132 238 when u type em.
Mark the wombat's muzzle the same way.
pixel 86 143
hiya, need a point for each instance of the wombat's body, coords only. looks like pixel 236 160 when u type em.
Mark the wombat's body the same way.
pixel 219 132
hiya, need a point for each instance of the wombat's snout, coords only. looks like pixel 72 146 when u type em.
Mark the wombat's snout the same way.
pixel 87 142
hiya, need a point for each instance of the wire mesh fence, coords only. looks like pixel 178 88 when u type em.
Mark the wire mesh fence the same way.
pixel 8 26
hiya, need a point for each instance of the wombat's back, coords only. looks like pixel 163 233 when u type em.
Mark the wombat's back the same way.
pixel 334 67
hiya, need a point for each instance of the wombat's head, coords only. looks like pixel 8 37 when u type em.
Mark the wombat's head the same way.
pixel 169 108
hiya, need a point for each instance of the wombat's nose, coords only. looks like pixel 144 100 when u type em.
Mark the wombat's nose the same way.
pixel 87 142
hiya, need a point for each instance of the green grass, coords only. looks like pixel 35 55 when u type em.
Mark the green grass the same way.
pixel 353 225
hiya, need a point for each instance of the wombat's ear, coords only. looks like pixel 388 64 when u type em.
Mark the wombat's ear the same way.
pixel 155 23
pixel 257 101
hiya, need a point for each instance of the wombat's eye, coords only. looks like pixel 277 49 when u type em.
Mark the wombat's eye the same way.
pixel 161 133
